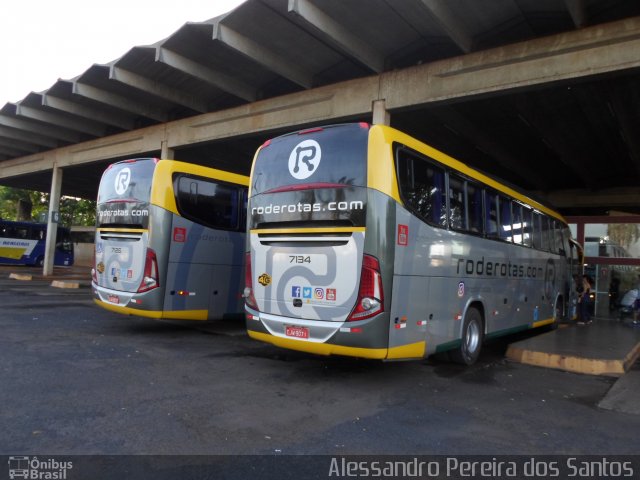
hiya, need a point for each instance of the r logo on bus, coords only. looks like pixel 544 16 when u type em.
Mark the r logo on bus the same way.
pixel 122 180
pixel 304 159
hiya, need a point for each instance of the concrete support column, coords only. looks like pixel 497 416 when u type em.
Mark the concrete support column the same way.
pixel 380 114
pixel 52 220
pixel 166 153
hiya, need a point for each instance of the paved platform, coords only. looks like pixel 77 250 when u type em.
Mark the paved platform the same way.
pixel 604 347
pixel 62 277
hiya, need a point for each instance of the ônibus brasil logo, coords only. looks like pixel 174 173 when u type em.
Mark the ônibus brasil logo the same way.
pixel 35 468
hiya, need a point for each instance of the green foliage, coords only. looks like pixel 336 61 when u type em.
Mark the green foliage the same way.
pixel 28 205
pixel 624 234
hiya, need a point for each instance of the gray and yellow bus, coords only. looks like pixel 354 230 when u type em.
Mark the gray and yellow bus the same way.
pixel 170 240
pixel 366 242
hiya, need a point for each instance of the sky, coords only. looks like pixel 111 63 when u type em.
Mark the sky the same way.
pixel 42 41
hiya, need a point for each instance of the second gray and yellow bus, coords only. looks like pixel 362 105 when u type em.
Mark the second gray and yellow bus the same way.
pixel 366 242
pixel 170 240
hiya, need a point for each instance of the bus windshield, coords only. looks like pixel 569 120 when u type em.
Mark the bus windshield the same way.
pixel 318 158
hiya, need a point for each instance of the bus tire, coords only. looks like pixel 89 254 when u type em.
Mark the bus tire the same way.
pixel 40 261
pixel 471 342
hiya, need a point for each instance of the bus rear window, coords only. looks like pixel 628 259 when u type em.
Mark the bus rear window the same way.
pixel 127 181
pixel 323 157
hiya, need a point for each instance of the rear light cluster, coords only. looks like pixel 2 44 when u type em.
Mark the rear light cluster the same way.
pixel 151 278
pixel 370 295
pixel 94 273
pixel 248 295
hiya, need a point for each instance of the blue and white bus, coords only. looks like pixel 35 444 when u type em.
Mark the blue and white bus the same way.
pixel 366 242
pixel 23 243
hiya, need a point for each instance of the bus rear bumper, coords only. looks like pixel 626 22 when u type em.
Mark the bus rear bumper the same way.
pixel 317 336
pixel 125 305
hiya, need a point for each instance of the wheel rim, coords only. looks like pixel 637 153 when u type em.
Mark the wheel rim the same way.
pixel 472 338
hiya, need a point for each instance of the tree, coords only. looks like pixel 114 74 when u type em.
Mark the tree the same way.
pixel 17 204
pixel 28 205
pixel 624 234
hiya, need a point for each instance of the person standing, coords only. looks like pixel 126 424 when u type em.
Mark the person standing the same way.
pixel 636 305
pixel 584 305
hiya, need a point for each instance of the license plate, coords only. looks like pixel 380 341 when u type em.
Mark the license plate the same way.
pixel 114 299
pixel 296 332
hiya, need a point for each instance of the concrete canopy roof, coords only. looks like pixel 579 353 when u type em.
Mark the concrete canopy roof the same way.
pixel 565 138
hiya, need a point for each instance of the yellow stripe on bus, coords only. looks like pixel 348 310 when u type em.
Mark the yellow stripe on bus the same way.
pixel 383 176
pixel 542 323
pixel 122 230
pixel 414 350
pixel 162 192
pixel 310 230
pixel 15 253
pixel 158 314
pixel 319 348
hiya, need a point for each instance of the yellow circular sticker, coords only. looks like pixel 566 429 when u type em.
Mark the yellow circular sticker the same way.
pixel 264 279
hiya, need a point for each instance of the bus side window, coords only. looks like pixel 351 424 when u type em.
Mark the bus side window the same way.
pixel 546 234
pixel 422 187
pixel 457 213
pixel 208 203
pixel 506 227
pixel 558 241
pixel 474 207
pixel 527 226
pixel 537 230
pixel 516 210
pixel 491 214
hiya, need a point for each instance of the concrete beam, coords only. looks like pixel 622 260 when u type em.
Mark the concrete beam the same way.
pixel 40 129
pixel 485 142
pixel 92 113
pixel 114 100
pixel 152 87
pixel 450 24
pixel 346 100
pixel 31 138
pixel 578 11
pixel 336 34
pixel 22 146
pixel 616 198
pixel 261 55
pixel 88 127
pixel 226 83
pixel 11 151
pixel 566 56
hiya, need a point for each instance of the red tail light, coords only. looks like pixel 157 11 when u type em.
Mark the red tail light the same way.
pixel 151 278
pixel 94 274
pixel 249 298
pixel 370 295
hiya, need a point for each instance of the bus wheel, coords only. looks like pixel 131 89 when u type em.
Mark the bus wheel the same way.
pixel 40 261
pixel 469 349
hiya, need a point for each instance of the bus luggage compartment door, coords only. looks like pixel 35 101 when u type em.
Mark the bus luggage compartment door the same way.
pixel 307 276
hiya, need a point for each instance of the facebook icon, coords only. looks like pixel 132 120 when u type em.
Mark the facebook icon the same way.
pixel 295 292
